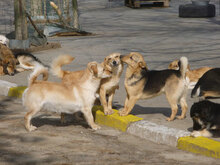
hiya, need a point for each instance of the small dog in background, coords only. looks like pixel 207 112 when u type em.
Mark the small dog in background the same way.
pixel 11 63
pixel 8 60
pixel 206 118
pixel 192 76
pixel 108 85
pixel 64 98
pixel 27 61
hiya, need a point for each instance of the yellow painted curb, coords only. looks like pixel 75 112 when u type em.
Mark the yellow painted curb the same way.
pixel 16 91
pixel 114 120
pixel 200 145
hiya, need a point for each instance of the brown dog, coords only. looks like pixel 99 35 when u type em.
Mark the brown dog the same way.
pixel 64 98
pixel 109 85
pixel 141 83
pixel 192 76
pixel 8 60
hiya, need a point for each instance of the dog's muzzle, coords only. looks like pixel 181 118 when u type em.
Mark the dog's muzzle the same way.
pixel 115 63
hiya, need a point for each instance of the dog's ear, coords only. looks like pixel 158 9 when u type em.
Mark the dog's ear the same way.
pixel 142 65
pixel 105 60
pixel 93 68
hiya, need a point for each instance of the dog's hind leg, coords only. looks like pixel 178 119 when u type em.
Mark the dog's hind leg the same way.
pixel 184 108
pixel 89 118
pixel 28 118
pixel 174 108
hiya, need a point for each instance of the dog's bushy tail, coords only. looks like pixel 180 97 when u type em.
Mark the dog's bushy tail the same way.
pixel 183 63
pixel 37 71
pixel 58 63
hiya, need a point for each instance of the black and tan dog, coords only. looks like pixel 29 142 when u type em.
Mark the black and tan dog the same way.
pixel 141 83
pixel 208 85
pixel 11 63
pixel 205 115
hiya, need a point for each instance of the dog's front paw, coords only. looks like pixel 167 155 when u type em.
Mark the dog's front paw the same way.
pixel 95 127
pixel 169 119
pixel 122 112
pixel 108 112
pixel 195 134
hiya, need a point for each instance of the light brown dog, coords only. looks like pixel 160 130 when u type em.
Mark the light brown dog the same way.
pixel 65 98
pixel 109 85
pixel 8 60
pixel 192 76
pixel 141 83
pixel 112 63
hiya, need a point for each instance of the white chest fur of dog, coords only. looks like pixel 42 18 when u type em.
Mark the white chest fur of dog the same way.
pixel 114 80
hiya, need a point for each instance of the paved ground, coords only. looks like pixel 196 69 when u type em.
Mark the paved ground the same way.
pixel 158 33
pixel 74 143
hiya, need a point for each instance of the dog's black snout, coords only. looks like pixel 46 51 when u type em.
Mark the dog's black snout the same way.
pixel 114 62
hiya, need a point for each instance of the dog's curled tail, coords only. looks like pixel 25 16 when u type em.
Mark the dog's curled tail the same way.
pixel 58 63
pixel 37 71
pixel 183 66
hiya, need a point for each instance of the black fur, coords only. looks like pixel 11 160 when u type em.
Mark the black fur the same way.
pixel 28 55
pixel 207 112
pixel 155 80
pixel 210 81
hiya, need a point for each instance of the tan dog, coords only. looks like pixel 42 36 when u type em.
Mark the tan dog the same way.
pixel 109 85
pixel 141 83
pixel 112 63
pixel 192 76
pixel 8 60
pixel 59 97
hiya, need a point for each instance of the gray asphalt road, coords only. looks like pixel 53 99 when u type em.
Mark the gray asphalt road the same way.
pixel 75 143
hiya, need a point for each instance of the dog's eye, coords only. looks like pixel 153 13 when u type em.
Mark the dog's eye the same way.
pixel 109 59
pixel 131 58
pixel 116 56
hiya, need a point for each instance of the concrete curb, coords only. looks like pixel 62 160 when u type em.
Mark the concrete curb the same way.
pixel 157 133
pixel 141 128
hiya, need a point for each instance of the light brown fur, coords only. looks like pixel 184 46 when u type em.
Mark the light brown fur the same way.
pixel 192 75
pixel 65 98
pixel 109 85
pixel 135 83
